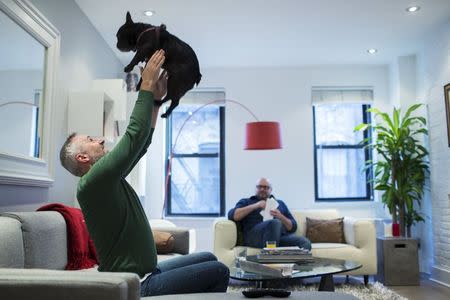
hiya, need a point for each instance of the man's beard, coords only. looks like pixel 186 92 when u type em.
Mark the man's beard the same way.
pixel 98 157
pixel 263 196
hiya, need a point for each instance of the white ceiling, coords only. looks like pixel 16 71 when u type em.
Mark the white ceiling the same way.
pixel 280 33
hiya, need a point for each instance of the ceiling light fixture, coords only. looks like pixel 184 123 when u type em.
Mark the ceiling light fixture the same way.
pixel 372 51
pixel 413 9
pixel 149 13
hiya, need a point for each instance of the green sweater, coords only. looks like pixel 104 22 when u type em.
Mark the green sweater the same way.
pixel 113 213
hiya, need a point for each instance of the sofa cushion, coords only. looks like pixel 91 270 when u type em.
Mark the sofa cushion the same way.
pixel 68 285
pixel 330 246
pixel 162 257
pixel 44 239
pixel 325 231
pixel 164 241
pixel 338 251
pixel 11 244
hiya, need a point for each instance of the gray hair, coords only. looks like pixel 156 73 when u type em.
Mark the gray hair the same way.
pixel 67 157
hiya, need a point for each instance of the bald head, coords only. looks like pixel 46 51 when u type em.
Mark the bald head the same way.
pixel 263 188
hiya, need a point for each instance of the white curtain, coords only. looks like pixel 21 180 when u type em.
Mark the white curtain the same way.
pixel 336 96
pixel 203 96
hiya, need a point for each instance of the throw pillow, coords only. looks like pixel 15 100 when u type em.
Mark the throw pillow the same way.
pixel 325 231
pixel 164 241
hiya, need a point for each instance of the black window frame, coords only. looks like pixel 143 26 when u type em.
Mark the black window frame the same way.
pixel 221 156
pixel 367 154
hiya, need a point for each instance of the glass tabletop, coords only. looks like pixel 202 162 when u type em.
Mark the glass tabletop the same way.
pixel 304 269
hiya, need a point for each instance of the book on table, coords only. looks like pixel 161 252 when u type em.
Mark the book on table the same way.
pixel 272 270
pixel 284 254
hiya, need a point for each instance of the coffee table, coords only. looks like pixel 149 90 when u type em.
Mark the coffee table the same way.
pixel 323 267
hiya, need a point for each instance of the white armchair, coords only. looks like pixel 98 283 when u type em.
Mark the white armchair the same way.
pixel 359 234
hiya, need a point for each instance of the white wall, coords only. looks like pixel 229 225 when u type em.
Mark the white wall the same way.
pixel 433 74
pixel 84 56
pixel 405 84
pixel 279 94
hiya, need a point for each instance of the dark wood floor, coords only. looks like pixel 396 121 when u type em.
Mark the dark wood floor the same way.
pixel 427 290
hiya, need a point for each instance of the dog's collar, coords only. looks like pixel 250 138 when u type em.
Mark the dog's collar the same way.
pixel 157 31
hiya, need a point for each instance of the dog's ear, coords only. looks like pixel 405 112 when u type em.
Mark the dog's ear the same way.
pixel 129 20
pixel 163 27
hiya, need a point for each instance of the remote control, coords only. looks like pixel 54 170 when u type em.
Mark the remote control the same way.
pixel 257 293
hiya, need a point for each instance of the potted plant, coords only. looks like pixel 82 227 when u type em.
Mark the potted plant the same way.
pixel 402 165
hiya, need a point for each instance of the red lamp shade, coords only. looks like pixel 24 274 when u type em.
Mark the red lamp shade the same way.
pixel 262 136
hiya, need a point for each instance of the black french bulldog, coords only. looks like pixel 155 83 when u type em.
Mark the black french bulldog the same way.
pixel 181 62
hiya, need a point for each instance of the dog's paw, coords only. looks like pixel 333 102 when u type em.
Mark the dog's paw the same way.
pixel 128 69
pixel 164 115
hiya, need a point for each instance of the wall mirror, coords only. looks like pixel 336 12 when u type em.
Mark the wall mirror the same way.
pixel 28 63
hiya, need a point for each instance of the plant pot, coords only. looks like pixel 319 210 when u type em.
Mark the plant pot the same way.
pixel 395 229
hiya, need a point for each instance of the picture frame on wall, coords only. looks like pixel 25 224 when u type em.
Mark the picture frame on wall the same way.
pixel 447 110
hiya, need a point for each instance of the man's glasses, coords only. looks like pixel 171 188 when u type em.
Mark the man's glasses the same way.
pixel 266 187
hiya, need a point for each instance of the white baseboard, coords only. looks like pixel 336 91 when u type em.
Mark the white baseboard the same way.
pixel 441 276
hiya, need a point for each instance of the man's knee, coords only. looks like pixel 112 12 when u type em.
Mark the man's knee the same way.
pixel 224 270
pixel 274 223
pixel 221 272
pixel 305 243
pixel 206 256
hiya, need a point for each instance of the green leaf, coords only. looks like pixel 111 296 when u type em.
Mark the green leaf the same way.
pixel 396 115
pixel 410 110
pixel 374 110
pixel 361 127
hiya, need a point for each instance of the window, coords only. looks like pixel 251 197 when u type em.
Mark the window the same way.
pixel 339 159
pixel 197 175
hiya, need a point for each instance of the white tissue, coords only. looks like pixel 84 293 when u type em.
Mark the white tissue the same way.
pixel 271 204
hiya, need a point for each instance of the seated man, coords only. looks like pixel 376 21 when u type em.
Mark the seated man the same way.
pixel 113 213
pixel 256 231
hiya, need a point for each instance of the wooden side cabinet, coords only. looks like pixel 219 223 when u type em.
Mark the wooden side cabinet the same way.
pixel 398 261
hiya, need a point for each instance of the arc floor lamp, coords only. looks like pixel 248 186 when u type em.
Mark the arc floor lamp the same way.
pixel 259 135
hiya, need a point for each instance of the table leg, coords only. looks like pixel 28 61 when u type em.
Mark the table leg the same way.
pixel 326 283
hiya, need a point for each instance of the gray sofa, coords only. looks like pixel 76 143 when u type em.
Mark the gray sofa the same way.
pixel 33 255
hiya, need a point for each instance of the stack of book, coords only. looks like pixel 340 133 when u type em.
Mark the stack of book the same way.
pixel 269 270
pixel 284 254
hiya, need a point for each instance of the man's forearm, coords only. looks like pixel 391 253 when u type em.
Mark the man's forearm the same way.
pixel 155 113
pixel 286 222
pixel 242 212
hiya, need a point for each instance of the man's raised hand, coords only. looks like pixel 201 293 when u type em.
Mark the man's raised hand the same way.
pixel 151 71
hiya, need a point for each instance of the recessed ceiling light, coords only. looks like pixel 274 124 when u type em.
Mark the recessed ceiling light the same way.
pixel 149 13
pixel 413 8
pixel 372 51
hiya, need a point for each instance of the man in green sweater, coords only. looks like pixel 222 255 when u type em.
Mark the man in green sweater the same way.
pixel 113 213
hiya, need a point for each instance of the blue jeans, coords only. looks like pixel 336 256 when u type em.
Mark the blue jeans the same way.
pixel 273 230
pixel 192 273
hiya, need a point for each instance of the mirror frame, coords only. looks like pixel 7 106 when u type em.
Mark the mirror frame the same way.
pixel 25 170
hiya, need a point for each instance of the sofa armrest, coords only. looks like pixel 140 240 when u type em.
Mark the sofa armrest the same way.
pixel 360 232
pixel 184 238
pixel 51 284
pixel 225 237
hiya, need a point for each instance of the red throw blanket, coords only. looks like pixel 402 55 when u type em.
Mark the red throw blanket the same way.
pixel 80 248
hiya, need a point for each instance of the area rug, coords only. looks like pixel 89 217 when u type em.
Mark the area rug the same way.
pixel 373 291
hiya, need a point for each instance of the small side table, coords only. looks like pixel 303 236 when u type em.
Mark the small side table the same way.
pixel 398 261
